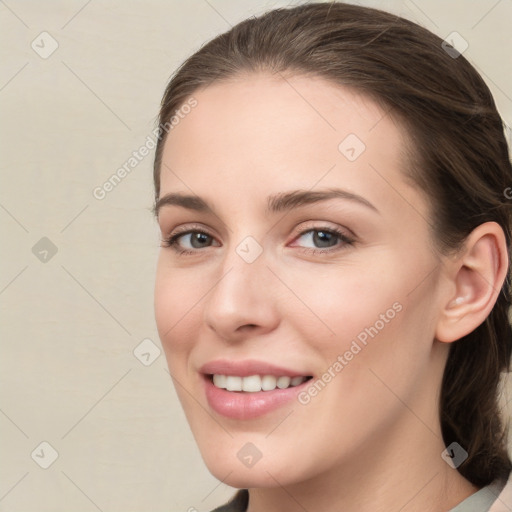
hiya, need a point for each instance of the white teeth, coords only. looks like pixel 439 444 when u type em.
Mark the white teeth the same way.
pixel 219 381
pixel 251 384
pixel 297 380
pixel 233 383
pixel 283 382
pixel 268 383
pixel 255 383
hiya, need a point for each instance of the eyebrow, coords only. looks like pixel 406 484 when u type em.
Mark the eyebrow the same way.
pixel 276 203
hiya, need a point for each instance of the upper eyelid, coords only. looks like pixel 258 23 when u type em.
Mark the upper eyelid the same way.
pixel 193 228
pixel 298 231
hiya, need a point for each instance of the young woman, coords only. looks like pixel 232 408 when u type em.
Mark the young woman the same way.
pixel 333 286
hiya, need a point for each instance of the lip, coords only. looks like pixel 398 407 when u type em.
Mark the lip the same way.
pixel 246 368
pixel 246 406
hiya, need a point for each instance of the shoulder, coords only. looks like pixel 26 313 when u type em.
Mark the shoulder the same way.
pixel 503 502
pixel 238 503
pixel 502 490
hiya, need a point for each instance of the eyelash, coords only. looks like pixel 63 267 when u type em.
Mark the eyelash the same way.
pixel 172 241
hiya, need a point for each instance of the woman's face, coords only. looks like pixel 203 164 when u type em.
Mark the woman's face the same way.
pixel 303 253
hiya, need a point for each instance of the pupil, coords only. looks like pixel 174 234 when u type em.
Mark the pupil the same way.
pixel 323 238
pixel 199 239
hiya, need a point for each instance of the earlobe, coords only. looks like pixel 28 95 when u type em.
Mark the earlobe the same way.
pixel 477 275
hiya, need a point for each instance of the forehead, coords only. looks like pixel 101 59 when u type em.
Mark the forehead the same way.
pixel 271 109
pixel 262 104
pixel 260 131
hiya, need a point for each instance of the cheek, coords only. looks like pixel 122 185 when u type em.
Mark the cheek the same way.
pixel 358 320
pixel 341 304
pixel 177 298
pixel 387 352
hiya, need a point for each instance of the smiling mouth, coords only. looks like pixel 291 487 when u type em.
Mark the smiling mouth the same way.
pixel 255 383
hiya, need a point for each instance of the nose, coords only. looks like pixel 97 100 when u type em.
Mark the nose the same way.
pixel 243 301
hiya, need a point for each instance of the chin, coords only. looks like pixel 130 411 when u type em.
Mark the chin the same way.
pixel 227 464
pixel 245 478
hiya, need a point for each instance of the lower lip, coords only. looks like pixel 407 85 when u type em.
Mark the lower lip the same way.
pixel 245 406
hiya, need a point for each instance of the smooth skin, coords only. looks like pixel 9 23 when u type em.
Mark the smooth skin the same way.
pixel 371 439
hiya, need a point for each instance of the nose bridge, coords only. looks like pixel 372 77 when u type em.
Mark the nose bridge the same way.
pixel 242 273
pixel 241 295
pixel 245 261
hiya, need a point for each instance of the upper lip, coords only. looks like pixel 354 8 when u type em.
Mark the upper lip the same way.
pixel 246 368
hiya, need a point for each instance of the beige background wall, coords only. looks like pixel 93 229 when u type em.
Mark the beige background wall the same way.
pixel 71 320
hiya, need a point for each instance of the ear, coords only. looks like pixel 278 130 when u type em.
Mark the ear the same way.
pixel 476 276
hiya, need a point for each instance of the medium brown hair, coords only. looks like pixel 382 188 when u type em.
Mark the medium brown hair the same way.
pixel 458 156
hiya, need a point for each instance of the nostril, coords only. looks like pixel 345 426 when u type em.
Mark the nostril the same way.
pixel 247 326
